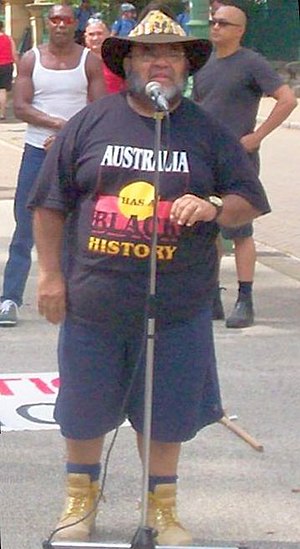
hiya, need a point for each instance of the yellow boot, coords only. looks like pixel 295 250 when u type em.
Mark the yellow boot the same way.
pixel 82 494
pixel 163 518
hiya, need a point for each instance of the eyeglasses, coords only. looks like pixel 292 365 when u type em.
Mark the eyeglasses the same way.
pixel 222 23
pixel 66 19
pixel 149 56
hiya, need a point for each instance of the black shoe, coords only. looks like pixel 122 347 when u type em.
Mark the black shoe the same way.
pixel 242 315
pixel 217 307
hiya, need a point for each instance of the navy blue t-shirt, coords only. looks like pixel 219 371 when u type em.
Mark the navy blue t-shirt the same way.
pixel 183 19
pixel 123 27
pixel 82 16
pixel 100 172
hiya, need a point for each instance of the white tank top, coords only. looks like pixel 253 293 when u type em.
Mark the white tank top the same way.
pixel 58 93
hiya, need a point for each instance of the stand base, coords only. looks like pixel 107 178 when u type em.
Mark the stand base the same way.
pixel 144 538
pixel 95 545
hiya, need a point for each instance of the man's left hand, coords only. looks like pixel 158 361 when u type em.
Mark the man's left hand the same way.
pixel 189 209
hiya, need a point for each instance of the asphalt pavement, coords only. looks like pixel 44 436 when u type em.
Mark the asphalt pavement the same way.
pixel 229 494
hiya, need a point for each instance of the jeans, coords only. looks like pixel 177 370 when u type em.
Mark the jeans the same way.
pixel 19 261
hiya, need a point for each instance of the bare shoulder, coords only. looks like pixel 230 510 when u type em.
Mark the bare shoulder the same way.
pixel 27 63
pixel 92 59
pixel 93 64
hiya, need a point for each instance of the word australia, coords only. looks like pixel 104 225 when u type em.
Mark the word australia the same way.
pixel 134 158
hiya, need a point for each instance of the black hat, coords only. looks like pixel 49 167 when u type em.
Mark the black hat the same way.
pixel 155 28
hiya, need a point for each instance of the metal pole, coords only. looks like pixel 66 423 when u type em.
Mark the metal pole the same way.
pixel 151 327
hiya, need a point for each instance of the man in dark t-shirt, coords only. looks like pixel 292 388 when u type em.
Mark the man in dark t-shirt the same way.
pixel 230 87
pixel 106 187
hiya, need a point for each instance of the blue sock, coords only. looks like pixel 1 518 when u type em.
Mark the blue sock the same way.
pixel 245 290
pixel 154 481
pixel 85 468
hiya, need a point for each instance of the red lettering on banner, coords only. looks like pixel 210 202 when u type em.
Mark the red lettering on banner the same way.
pixel 55 382
pixel 4 388
pixel 41 385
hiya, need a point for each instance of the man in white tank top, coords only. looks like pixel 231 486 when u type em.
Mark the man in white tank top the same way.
pixel 54 81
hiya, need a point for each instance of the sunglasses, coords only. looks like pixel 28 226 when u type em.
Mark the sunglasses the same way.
pixel 222 23
pixel 66 19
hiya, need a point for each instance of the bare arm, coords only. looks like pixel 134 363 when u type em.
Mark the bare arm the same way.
pixel 285 103
pixel 237 211
pixel 96 84
pixel 23 97
pixel 189 209
pixel 48 235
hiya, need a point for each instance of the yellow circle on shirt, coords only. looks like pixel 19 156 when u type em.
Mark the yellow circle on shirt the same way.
pixel 137 199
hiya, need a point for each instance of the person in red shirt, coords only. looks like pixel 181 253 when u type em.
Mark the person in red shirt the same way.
pixel 95 33
pixel 8 56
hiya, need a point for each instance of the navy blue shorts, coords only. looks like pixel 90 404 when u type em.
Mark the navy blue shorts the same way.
pixel 243 231
pixel 96 365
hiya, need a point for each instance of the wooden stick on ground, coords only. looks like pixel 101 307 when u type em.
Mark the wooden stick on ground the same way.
pixel 241 433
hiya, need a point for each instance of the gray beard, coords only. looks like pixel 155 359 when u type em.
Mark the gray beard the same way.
pixel 136 87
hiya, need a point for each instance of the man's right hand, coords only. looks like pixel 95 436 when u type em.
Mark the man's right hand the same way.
pixel 250 142
pixel 52 296
pixel 49 142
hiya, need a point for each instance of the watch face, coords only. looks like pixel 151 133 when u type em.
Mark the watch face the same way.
pixel 216 201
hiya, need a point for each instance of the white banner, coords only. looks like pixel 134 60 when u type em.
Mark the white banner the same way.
pixel 27 401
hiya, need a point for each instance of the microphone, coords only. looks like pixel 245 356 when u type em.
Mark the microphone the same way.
pixel 155 91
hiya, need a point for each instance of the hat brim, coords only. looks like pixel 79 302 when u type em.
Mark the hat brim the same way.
pixel 114 49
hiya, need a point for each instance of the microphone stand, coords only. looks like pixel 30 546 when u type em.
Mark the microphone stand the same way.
pixel 144 536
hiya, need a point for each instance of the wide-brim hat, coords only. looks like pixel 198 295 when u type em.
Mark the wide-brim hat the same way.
pixel 155 28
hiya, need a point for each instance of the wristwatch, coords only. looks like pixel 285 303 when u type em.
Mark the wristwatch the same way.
pixel 217 202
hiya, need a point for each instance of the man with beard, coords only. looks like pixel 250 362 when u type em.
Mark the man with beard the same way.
pixel 55 81
pixel 101 174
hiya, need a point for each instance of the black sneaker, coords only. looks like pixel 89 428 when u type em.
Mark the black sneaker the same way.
pixel 242 315
pixel 8 313
pixel 217 306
